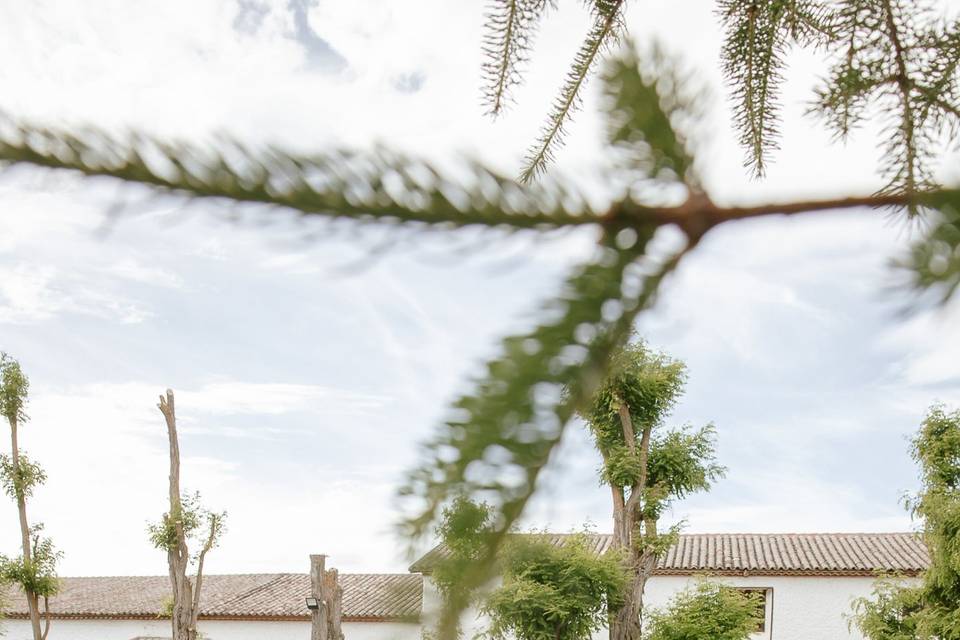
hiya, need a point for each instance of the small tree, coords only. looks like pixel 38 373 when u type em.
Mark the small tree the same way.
pixel 643 467
pixel 185 520
pixel 930 611
pixel 35 569
pixel 463 531
pixel 708 611
pixel 554 592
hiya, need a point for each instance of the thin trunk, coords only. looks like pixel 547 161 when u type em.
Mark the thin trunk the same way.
pixel 183 617
pixel 32 600
pixel 638 562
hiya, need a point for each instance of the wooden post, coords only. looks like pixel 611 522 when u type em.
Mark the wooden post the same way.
pixel 318 617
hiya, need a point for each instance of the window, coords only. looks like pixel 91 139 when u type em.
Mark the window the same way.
pixel 760 594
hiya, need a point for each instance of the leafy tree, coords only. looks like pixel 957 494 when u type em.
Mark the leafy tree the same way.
pixel 708 611
pixel 644 466
pixel 929 611
pixel 553 592
pixel 463 530
pixel 34 571
pixel 185 520
pixel 499 436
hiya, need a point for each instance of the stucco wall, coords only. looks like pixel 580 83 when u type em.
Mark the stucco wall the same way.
pixel 797 608
pixel 212 629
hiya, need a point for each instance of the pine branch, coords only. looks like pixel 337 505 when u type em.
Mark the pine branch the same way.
pixel 606 29
pixel 650 109
pixel 500 438
pixel 510 26
pixel 381 186
pixel 758 33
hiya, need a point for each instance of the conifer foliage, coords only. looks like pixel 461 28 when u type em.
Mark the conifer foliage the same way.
pixel 498 437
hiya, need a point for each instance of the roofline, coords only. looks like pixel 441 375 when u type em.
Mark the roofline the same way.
pixel 19 615
pixel 787 573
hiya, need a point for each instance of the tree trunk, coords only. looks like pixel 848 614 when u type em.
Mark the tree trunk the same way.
pixel 183 617
pixel 32 600
pixel 318 617
pixel 638 562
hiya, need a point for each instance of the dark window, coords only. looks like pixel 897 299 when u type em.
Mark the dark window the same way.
pixel 759 594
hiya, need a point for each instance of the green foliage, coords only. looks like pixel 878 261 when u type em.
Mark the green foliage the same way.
pixel 20 483
pixel 14 386
pixel 682 461
pixel 758 35
pixel 381 186
pixel 507 41
pixel 650 110
pixel 708 611
pixel 606 30
pixel 890 614
pixel 648 382
pixel 894 57
pixel 933 263
pixel 38 576
pixel 930 611
pixel 195 520
pixel 463 531
pixel 554 592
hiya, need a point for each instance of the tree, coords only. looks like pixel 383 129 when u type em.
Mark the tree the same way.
pixel 553 592
pixel 35 569
pixel 708 611
pixel 185 519
pixel 930 611
pixel 891 57
pixel 643 467
pixel 462 532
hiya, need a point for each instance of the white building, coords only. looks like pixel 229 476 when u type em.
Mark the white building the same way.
pixel 808 581
pixel 233 607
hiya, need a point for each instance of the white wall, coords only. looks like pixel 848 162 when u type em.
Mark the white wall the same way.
pixel 212 629
pixel 798 608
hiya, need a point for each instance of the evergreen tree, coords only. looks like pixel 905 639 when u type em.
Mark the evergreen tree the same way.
pixel 890 56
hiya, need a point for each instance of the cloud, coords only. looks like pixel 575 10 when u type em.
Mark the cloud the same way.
pixel 320 55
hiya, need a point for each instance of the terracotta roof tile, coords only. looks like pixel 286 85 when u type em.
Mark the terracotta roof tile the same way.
pixel 271 595
pixel 770 553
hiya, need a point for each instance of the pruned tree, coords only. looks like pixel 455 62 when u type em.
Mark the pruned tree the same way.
pixel 34 571
pixel 645 466
pixel 500 435
pixel 186 519
pixel 553 592
pixel 707 611
pixel 931 610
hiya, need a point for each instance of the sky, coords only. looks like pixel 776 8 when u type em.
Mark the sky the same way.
pixel 309 360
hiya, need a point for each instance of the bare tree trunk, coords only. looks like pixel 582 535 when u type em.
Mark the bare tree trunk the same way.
pixel 32 600
pixel 325 587
pixel 318 617
pixel 183 617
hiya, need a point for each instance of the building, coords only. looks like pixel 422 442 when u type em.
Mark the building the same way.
pixel 808 582
pixel 233 607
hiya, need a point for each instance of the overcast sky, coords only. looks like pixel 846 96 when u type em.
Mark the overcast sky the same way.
pixel 308 360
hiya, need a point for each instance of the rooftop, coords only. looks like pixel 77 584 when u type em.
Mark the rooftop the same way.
pixel 269 596
pixel 768 554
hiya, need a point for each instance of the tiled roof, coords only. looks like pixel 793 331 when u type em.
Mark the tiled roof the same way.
pixel 271 596
pixel 829 554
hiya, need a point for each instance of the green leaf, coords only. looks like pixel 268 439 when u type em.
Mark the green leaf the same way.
pixel 508 37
